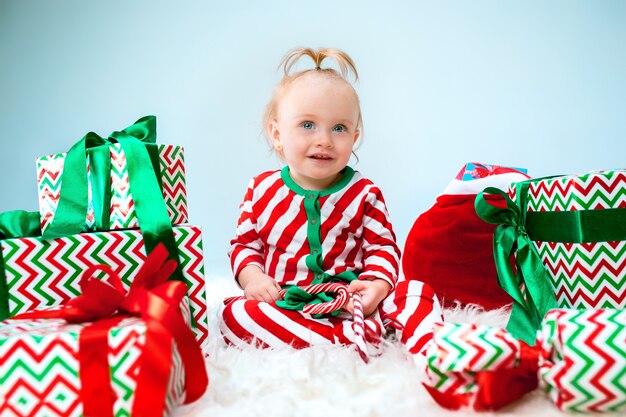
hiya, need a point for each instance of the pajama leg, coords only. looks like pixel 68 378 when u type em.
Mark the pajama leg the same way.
pixel 412 309
pixel 251 322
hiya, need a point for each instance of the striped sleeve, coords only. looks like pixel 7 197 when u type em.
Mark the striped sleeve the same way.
pixel 381 255
pixel 247 247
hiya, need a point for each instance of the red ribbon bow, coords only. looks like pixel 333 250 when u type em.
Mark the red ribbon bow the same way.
pixel 496 388
pixel 157 302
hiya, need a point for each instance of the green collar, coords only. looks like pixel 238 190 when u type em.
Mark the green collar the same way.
pixel 347 172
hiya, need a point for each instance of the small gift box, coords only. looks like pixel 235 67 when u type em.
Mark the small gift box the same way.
pixel 92 357
pixel 37 272
pixel 478 366
pixel 568 236
pixel 474 170
pixel 110 192
pixel 579 359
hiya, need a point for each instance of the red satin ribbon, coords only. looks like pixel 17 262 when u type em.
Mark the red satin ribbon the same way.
pixel 501 387
pixel 496 388
pixel 157 302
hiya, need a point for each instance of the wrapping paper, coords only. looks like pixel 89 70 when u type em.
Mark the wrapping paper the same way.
pixel 109 351
pixel 45 272
pixel 122 207
pixel 40 375
pixel 587 274
pixel 579 360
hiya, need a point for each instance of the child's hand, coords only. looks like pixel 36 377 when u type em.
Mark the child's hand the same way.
pixel 257 285
pixel 372 294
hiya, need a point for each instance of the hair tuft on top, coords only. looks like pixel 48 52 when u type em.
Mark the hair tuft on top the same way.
pixel 345 63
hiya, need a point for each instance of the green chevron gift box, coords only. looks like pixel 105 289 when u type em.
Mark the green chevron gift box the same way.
pixel 38 272
pixel 568 236
pixel 109 194
pixel 579 360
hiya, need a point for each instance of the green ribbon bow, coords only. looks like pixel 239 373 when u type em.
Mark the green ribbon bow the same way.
pixel 16 223
pixel 296 298
pixel 510 238
pixel 138 143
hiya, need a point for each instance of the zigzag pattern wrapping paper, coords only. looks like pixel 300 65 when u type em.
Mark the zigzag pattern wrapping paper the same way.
pixel 583 359
pixel 39 370
pixel 122 210
pixel 583 275
pixel 46 272
pixel 458 351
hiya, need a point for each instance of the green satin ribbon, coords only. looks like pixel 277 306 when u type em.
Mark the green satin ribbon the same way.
pixel 296 298
pixel 577 226
pixel 14 224
pixel 138 143
pixel 510 238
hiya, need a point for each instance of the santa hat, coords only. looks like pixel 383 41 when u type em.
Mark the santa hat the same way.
pixel 450 248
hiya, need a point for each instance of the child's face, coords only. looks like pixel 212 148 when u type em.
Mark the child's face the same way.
pixel 316 128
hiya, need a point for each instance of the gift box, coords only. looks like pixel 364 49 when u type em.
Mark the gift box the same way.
pixel 580 236
pixel 568 237
pixel 579 360
pixel 41 272
pixel 40 372
pixel 469 365
pixel 119 196
pixel 110 351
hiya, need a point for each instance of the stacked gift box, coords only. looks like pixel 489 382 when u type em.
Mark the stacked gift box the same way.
pixel 560 254
pixel 132 198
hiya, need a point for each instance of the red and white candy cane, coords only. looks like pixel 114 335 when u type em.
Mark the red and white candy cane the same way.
pixel 341 299
pixel 358 326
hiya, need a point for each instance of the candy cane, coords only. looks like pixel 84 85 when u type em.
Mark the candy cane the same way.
pixel 359 327
pixel 324 308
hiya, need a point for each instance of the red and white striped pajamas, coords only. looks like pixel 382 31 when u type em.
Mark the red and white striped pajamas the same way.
pixel 302 237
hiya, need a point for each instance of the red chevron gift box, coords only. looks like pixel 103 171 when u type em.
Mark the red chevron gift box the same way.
pixel 38 273
pixel 111 200
pixel 579 360
pixel 93 357
pixel 568 237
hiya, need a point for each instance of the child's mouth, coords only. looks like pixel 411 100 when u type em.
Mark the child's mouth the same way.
pixel 321 157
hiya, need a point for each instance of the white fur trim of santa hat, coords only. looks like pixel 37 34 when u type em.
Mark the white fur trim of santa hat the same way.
pixel 501 181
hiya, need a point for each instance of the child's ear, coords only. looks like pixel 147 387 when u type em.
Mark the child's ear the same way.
pixel 356 135
pixel 275 135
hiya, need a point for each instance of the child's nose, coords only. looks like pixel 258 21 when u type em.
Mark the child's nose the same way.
pixel 324 139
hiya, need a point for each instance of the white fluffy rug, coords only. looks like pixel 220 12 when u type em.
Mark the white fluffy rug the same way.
pixel 326 381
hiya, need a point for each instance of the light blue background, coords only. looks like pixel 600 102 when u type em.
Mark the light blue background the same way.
pixel 536 84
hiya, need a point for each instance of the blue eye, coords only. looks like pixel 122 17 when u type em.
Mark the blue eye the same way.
pixel 307 125
pixel 339 128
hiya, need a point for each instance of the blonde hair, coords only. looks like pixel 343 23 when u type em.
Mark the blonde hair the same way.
pixel 346 66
